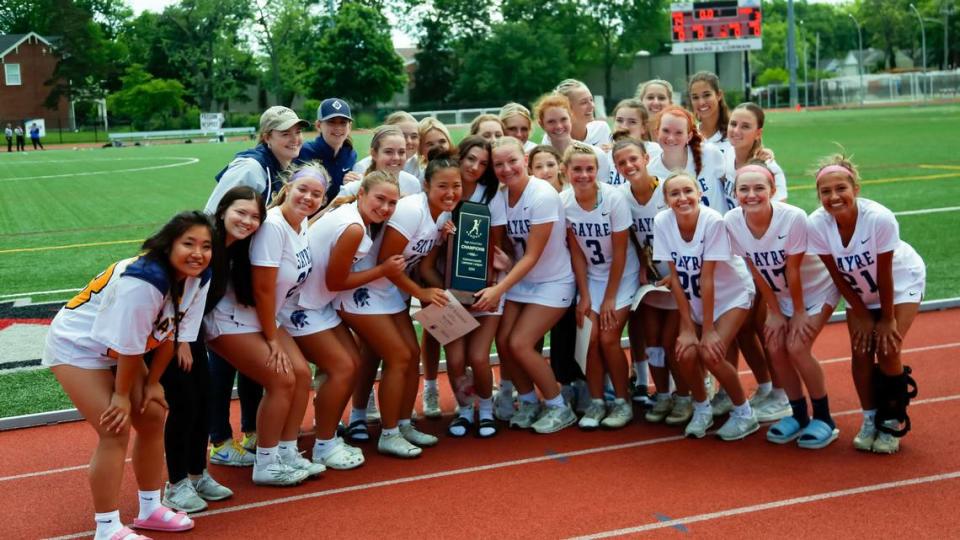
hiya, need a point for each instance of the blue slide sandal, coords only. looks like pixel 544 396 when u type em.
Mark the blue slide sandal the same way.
pixel 818 434
pixel 785 430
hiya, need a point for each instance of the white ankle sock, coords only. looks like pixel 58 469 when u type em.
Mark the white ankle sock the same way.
pixel 486 407
pixel 107 524
pixel 780 395
pixel 267 456
pixel 429 384
pixel 702 406
pixel 403 422
pixel 764 388
pixel 743 410
pixel 288 449
pixel 390 431
pixel 322 446
pixel 506 387
pixel 358 414
pixel 529 397
pixel 555 401
pixel 149 502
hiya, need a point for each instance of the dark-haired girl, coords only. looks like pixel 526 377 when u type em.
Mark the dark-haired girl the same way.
pixel 479 185
pixel 243 329
pixel 187 381
pixel 95 348
pixel 379 311
pixel 706 101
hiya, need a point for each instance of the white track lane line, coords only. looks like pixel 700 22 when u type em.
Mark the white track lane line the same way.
pixel 773 505
pixel 601 449
pixel 184 161
pixel 468 470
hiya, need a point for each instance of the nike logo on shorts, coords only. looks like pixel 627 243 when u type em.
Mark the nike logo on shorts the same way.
pixel 781 237
pixel 865 241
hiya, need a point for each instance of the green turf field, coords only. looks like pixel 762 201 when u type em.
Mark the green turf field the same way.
pixel 67 214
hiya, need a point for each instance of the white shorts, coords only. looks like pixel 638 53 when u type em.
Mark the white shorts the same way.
pixel 372 301
pixel 625 293
pixel 909 284
pixel 556 294
pixel 300 322
pixel 744 300
pixel 59 351
pixel 815 300
pixel 239 319
pixel 660 300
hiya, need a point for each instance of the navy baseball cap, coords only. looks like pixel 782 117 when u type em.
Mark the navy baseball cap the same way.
pixel 333 108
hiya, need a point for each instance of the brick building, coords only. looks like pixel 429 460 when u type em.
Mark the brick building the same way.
pixel 28 61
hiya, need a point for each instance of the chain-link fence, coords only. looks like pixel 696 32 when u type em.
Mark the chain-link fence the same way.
pixel 872 89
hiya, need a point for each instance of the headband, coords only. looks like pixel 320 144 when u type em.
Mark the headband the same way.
pixel 757 169
pixel 310 172
pixel 834 169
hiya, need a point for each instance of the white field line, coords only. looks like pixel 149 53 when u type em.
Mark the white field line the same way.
pixel 475 469
pixel 183 161
pixel 783 503
pixel 927 211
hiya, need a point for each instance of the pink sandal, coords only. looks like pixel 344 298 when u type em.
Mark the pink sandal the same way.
pixel 178 521
pixel 127 534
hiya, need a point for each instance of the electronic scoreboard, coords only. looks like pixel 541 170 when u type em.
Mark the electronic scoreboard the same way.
pixel 715 26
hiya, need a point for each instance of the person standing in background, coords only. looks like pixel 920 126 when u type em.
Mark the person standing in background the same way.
pixel 21 144
pixel 8 133
pixel 35 136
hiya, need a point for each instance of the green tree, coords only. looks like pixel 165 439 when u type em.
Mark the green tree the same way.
pixel 621 28
pixel 887 26
pixel 146 101
pixel 515 61
pixel 201 39
pixel 286 31
pixel 355 58
pixel 437 65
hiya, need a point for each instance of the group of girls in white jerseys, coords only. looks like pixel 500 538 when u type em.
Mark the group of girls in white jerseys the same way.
pixel 691 203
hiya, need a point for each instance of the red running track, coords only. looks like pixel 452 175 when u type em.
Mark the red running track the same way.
pixel 641 480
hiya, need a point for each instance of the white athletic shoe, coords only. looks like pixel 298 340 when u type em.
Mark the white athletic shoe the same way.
pixel 682 411
pixel 526 415
pixel 885 443
pixel 278 474
pixel 660 410
pixel 593 415
pixel 738 427
pixel 396 445
pixel 297 461
pixel 699 424
pixel 554 419
pixel 503 408
pixel 431 403
pixel 620 414
pixel 721 404
pixel 416 436
pixel 772 410
pixel 210 490
pixel 183 496
pixel 866 436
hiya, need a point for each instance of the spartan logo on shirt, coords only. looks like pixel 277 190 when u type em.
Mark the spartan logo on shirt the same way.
pixel 361 297
pixel 299 318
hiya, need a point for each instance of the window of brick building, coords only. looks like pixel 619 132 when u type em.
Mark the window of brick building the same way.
pixel 12 74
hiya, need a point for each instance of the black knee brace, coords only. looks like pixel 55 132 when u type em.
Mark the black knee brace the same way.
pixel 892 394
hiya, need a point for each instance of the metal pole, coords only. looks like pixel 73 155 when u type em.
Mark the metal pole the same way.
pixel 792 54
pixel 816 72
pixel 806 83
pixel 923 48
pixel 860 56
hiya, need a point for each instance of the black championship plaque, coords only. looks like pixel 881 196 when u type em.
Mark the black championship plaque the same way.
pixel 468 252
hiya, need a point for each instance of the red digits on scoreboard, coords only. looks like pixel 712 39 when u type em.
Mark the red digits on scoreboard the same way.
pixel 698 31
pixel 705 14
pixel 735 28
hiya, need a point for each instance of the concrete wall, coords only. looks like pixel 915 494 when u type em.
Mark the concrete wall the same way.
pixel 674 68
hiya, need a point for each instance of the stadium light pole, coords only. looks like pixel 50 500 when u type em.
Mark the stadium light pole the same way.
pixel 923 37
pixel 806 83
pixel 792 54
pixel 860 55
